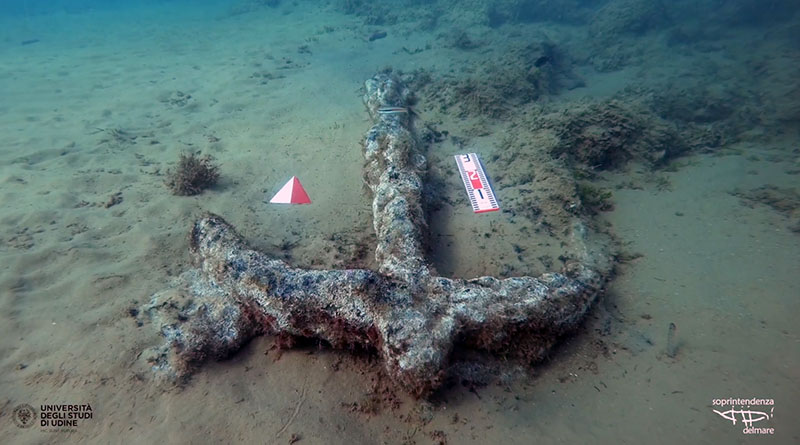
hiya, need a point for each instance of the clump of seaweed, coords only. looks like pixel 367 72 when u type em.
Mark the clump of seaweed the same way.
pixel 247 6
pixel 609 134
pixel 461 40
pixel 500 12
pixel 594 199
pixel 193 175
pixel 479 99
pixel 782 200
pixel 518 76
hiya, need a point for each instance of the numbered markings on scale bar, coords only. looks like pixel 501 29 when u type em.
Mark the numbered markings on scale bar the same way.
pixel 479 190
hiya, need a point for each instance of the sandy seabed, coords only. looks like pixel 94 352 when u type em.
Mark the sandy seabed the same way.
pixel 101 107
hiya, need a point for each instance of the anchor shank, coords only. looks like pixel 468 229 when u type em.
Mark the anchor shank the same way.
pixel 393 168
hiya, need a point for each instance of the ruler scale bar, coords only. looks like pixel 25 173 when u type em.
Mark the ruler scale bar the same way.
pixel 479 190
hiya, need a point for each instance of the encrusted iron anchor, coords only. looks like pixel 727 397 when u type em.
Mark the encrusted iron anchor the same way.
pixel 404 311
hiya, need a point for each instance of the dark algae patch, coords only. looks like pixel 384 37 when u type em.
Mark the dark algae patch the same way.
pixel 594 199
pixel 783 200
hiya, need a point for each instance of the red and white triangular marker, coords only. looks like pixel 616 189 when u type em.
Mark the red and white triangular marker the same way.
pixel 291 193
